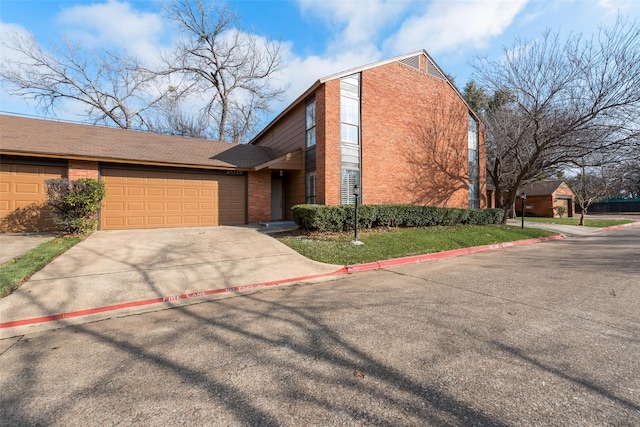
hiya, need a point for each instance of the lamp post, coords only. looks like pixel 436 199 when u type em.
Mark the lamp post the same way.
pixel 523 197
pixel 355 241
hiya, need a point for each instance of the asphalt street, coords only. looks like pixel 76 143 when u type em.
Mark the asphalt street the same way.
pixel 545 334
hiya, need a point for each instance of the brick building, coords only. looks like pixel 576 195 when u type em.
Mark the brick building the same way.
pixel 397 128
pixel 553 199
pixel 152 180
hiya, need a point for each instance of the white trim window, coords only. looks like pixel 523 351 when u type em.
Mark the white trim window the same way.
pixel 310 123
pixel 311 187
pixel 348 180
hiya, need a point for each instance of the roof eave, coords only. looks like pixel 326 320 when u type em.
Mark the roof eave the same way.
pixel 120 160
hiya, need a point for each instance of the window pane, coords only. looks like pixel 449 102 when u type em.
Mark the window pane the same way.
pixel 349 133
pixel 311 137
pixel 311 187
pixel 348 181
pixel 349 111
pixel 310 114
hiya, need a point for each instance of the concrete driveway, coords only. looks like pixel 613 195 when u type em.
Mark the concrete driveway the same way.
pixel 119 267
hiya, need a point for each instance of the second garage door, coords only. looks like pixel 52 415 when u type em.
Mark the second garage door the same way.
pixel 157 199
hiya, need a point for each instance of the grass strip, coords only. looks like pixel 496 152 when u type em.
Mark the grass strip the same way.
pixel 588 222
pixel 381 244
pixel 13 273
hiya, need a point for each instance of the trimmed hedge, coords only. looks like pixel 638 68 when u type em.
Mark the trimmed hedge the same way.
pixel 341 218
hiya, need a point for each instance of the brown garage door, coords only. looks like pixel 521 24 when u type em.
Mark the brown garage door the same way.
pixel 23 194
pixel 157 199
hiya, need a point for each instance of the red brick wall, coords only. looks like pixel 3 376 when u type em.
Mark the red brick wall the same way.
pixel 82 169
pixel 259 196
pixel 397 102
pixel 332 142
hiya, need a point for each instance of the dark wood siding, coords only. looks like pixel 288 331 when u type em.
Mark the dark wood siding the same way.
pixel 287 135
pixel 294 191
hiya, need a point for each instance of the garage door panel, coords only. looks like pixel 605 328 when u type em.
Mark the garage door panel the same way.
pixel 172 199
pixel 135 191
pixel 155 220
pixel 174 192
pixel 23 196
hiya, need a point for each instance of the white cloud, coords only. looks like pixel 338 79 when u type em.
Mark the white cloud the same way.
pixel 357 25
pixel 302 72
pixel 617 6
pixel 453 25
pixel 114 24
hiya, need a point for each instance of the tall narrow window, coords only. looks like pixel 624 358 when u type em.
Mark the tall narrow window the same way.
pixel 350 109
pixel 310 122
pixel 349 136
pixel 311 187
pixel 474 165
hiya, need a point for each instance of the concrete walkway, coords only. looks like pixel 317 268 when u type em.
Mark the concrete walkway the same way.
pixel 118 267
pixel 15 244
pixel 565 230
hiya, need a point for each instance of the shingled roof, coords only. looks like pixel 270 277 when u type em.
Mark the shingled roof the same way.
pixel 541 188
pixel 47 138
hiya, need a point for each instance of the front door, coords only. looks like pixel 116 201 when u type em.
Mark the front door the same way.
pixel 276 199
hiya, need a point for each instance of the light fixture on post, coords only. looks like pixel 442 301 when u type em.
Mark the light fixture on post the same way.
pixel 523 197
pixel 355 241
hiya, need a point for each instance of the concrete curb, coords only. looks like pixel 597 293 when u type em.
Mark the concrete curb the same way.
pixel 344 270
pixel 615 227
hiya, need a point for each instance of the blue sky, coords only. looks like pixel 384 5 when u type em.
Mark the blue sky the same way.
pixel 321 37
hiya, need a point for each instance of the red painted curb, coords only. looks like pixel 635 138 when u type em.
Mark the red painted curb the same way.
pixel 348 269
pixel 89 311
pixel 445 254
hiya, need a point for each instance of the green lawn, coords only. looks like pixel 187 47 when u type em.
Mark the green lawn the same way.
pixel 383 244
pixel 16 271
pixel 598 223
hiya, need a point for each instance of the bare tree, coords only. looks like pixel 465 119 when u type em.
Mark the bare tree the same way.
pixel 567 99
pixel 589 186
pixel 113 87
pixel 625 182
pixel 232 69
pixel 172 118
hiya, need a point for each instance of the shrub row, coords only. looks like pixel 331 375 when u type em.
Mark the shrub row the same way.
pixel 341 218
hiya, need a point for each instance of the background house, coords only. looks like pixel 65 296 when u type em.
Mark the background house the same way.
pixel 552 199
pixel 397 128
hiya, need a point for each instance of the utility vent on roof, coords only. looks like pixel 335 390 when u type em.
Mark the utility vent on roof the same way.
pixel 432 70
pixel 413 61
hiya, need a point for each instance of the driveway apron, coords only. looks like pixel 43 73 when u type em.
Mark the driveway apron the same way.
pixel 116 267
